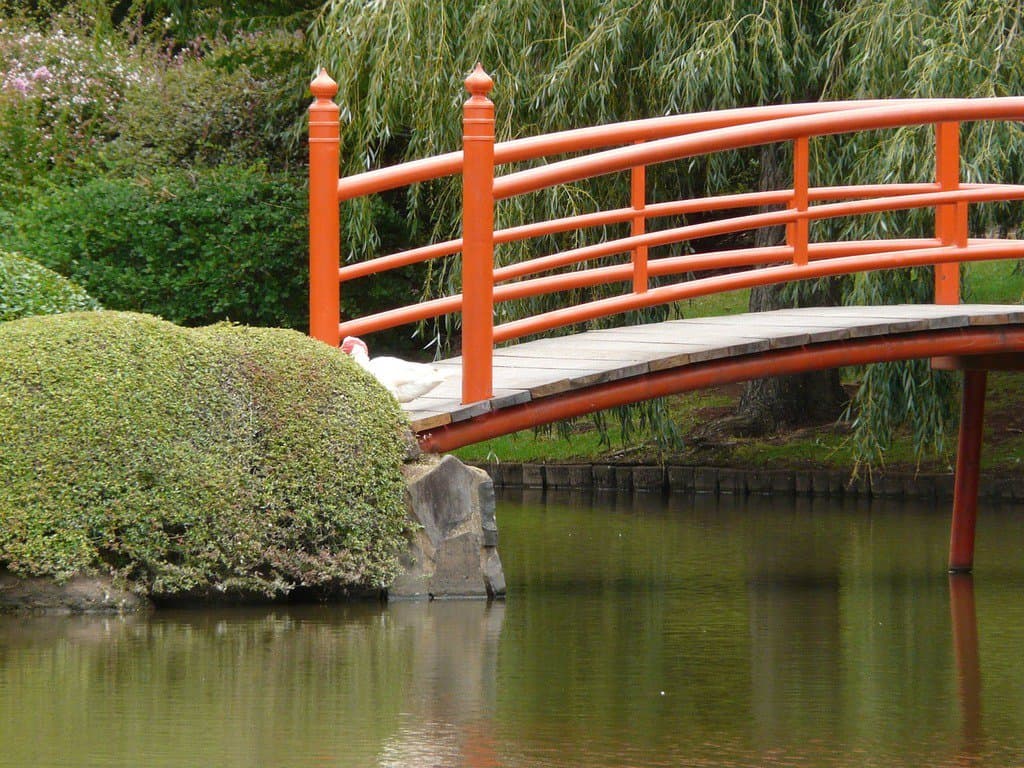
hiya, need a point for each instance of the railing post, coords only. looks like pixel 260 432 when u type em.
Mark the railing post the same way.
pixel 638 201
pixel 324 223
pixel 477 238
pixel 797 232
pixel 950 219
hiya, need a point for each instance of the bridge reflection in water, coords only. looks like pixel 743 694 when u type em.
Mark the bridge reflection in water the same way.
pixel 697 632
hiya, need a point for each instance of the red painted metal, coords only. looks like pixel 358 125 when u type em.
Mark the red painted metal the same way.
pixel 619 215
pixel 698 262
pixel 634 146
pixel 749 279
pixel 478 238
pixel 753 221
pixel 967 341
pixel 947 175
pixel 797 231
pixel 324 239
pixel 652 211
pixel 922 112
pixel 638 200
pixel 968 467
pixel 583 139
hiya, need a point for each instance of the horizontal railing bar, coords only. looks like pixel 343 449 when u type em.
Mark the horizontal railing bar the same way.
pixel 621 215
pixel 919 112
pixel 621 273
pixel 698 262
pixel 650 239
pixel 582 140
pixel 752 278
pixel 754 221
pixel 398 260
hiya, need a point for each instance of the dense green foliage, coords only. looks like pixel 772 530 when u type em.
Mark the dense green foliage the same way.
pixel 97 135
pixel 191 247
pixel 227 101
pixel 28 288
pixel 194 461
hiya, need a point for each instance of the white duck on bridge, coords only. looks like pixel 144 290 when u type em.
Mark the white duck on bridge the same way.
pixel 403 379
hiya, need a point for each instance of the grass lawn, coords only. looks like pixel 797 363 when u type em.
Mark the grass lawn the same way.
pixel 995 282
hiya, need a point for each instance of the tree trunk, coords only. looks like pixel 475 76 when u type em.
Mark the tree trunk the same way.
pixel 802 399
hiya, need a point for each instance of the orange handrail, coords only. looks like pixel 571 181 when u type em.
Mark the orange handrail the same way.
pixel 631 147
pixel 584 139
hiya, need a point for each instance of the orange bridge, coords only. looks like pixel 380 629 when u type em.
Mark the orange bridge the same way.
pixel 501 384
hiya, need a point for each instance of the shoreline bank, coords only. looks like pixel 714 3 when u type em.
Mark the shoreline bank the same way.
pixel 669 479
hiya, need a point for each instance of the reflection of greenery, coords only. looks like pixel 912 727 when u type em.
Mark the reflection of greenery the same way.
pixel 210 689
pixel 783 624
pixel 299 687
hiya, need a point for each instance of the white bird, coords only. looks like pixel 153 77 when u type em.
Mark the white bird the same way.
pixel 405 380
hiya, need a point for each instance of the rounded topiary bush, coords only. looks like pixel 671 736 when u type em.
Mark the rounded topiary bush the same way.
pixel 28 288
pixel 195 462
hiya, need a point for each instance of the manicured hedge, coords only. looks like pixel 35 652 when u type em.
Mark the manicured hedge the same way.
pixel 28 288
pixel 190 462
pixel 192 247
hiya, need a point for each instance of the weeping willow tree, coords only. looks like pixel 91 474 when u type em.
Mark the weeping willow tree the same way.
pixel 400 65
pixel 174 20
pixel 912 49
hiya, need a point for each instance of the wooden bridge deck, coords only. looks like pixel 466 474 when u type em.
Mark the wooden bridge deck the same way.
pixel 537 369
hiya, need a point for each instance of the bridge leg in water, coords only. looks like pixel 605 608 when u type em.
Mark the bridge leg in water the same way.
pixel 968 460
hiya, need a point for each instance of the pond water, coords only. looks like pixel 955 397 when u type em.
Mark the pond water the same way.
pixel 637 632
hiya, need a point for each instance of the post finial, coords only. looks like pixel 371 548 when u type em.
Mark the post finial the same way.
pixel 479 83
pixel 323 87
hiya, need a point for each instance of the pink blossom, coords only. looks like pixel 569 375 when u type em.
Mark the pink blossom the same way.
pixel 20 84
pixel 42 74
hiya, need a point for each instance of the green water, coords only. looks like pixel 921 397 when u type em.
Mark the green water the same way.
pixel 636 633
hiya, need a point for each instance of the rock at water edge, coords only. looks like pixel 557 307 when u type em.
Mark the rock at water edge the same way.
pixel 454 554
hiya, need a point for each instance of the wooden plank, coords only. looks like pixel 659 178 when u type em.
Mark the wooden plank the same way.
pixel 554 362
pixel 610 374
pixel 543 367
pixel 421 422
pixel 736 349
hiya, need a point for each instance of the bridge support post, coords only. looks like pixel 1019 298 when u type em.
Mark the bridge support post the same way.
pixel 968 463
pixel 477 238
pixel 324 218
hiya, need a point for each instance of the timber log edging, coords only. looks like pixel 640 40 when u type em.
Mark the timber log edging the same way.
pixel 626 478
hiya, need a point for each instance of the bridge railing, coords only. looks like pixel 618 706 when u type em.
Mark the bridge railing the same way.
pixel 631 147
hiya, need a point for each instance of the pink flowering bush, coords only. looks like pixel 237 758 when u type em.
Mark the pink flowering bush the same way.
pixel 59 96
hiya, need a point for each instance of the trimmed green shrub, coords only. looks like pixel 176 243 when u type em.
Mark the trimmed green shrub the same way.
pixel 194 247
pixel 28 288
pixel 191 462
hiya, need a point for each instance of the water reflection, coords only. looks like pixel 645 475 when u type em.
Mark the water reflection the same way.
pixel 968 660
pixel 351 685
pixel 637 632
